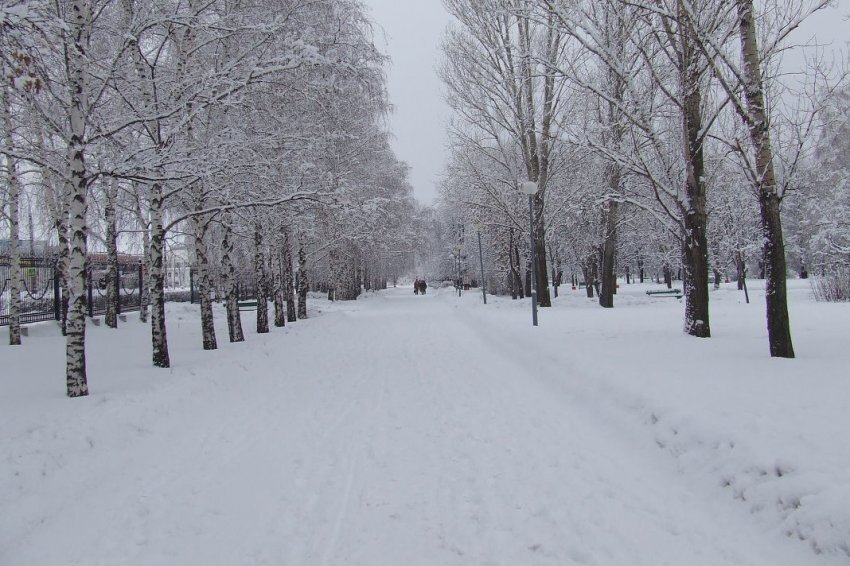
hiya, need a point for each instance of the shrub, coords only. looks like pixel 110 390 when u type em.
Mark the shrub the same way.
pixel 833 287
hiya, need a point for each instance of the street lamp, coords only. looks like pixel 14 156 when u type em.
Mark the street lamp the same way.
pixel 481 263
pixel 530 188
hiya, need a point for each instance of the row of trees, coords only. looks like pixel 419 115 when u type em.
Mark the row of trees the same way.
pixel 253 131
pixel 640 121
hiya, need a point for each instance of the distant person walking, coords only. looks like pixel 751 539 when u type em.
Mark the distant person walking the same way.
pixel 419 286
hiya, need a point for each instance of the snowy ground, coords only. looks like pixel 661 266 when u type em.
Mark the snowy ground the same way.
pixel 403 430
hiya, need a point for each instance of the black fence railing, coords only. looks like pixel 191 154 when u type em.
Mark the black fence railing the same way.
pixel 128 286
pixel 39 288
pixel 41 292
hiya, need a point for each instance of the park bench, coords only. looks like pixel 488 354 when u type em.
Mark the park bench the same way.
pixel 247 305
pixel 665 293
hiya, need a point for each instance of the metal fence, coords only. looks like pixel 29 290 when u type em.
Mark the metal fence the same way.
pixel 41 292
pixel 128 286
pixel 39 289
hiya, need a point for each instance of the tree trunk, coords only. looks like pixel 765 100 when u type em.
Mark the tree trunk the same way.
pixel 75 344
pixel 277 282
pixel 588 271
pixel 695 245
pixel 695 282
pixel 740 269
pixel 336 274
pixel 260 274
pixel 13 198
pixel 303 282
pixel 202 266
pixel 57 206
pixel 144 280
pixel 608 278
pixel 615 40
pixel 544 298
pixel 59 211
pixel 159 336
pixel 234 320
pixel 695 242
pixel 63 265
pixel 113 282
pixel 515 279
pixel 144 287
pixel 357 280
pixel 75 352
pixel 778 320
pixel 288 288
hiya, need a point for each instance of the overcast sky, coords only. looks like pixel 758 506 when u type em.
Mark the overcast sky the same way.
pixel 410 31
pixel 411 37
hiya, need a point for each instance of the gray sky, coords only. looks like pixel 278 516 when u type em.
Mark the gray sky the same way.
pixel 413 29
pixel 828 28
pixel 410 34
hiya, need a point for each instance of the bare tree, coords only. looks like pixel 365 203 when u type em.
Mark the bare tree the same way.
pixel 661 103
pixel 12 200
pixel 499 69
pixel 744 86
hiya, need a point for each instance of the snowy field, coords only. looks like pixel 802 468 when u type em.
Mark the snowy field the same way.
pixel 400 430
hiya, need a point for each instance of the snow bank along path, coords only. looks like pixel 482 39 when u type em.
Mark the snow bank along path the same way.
pixel 397 430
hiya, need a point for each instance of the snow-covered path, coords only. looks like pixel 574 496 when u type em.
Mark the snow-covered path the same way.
pixel 413 433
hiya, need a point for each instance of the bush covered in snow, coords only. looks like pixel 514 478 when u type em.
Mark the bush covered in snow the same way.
pixel 833 287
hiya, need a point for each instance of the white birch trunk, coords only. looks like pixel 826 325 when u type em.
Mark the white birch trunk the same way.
pixel 159 337
pixel 203 270
pixel 260 272
pixel 155 277
pixel 76 54
pixel 14 251
pixel 234 320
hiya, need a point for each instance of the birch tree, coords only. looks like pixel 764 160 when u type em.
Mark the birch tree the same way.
pixel 78 112
pixel 12 200
pixel 22 73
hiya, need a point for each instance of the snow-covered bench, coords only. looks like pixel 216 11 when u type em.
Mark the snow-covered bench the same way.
pixel 665 293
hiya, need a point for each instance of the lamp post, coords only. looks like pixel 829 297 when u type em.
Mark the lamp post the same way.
pixel 481 263
pixel 530 188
